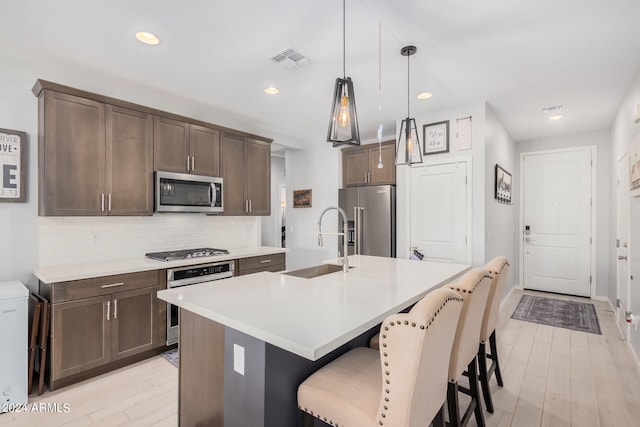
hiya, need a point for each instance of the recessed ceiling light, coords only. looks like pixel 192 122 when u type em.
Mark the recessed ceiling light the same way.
pixel 147 38
pixel 271 90
pixel 556 117
pixel 424 95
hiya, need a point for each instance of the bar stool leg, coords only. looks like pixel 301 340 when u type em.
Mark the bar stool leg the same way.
pixel 494 357
pixel 484 380
pixel 438 420
pixel 452 402
pixel 473 388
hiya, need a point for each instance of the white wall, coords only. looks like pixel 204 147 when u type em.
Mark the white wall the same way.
pixel 19 225
pixel 271 224
pixel 80 240
pixel 603 240
pixel 477 153
pixel 500 231
pixel 624 132
pixel 317 168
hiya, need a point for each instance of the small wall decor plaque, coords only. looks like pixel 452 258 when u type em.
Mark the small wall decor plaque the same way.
pixel 436 137
pixel 13 166
pixel 503 185
pixel 302 198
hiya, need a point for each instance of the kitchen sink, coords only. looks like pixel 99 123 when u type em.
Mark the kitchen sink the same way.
pixel 315 271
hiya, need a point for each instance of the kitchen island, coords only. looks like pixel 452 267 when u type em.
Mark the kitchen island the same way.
pixel 247 342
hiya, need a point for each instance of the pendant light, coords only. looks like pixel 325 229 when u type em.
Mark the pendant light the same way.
pixel 343 123
pixel 408 151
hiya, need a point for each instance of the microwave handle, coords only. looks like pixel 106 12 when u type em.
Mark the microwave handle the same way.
pixel 212 194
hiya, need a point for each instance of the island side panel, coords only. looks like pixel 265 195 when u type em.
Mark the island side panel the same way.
pixel 244 387
pixel 201 377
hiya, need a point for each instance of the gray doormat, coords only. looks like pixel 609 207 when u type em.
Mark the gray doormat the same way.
pixel 171 356
pixel 578 316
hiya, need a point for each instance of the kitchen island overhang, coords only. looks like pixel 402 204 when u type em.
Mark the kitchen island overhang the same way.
pixel 287 328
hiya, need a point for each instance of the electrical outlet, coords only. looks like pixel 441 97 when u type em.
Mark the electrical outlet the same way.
pixel 238 359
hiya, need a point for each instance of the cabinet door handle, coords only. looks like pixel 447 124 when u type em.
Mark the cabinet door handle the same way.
pixel 113 285
pixel 108 309
pixel 102 202
pixel 193 163
pixel 264 261
pixel 187 163
pixel 246 206
pixel 115 308
pixel 250 209
pixel 109 202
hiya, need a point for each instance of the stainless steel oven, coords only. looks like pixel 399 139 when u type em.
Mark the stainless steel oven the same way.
pixel 191 275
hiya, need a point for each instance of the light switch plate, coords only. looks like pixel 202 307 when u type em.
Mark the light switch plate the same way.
pixel 238 359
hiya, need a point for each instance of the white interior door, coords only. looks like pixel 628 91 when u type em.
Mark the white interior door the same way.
pixel 622 242
pixel 440 212
pixel 557 209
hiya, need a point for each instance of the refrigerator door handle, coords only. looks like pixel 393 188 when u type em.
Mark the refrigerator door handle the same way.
pixel 358 214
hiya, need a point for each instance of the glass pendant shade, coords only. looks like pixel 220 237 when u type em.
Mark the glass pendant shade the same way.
pixel 408 150
pixel 343 125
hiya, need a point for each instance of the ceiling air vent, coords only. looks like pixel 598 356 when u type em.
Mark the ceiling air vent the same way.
pixel 552 109
pixel 291 58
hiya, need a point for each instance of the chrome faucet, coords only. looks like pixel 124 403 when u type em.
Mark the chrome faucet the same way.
pixel 345 257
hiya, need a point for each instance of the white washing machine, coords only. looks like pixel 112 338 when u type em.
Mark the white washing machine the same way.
pixel 14 297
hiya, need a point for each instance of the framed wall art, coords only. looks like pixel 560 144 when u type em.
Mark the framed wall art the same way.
pixel 13 166
pixel 503 185
pixel 302 198
pixel 436 137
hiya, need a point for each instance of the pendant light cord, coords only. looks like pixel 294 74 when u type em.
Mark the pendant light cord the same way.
pixel 344 44
pixel 408 77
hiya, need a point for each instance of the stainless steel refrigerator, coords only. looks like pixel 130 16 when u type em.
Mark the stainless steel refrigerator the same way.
pixel 371 214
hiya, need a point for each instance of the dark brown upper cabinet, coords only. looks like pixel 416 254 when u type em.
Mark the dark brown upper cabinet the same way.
pixel 95 159
pixel 186 148
pixel 360 165
pixel 96 155
pixel 245 167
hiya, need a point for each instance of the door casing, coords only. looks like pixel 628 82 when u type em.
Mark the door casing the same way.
pixel 594 242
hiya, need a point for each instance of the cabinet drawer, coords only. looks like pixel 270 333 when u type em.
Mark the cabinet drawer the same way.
pixel 261 262
pixel 274 268
pixel 97 286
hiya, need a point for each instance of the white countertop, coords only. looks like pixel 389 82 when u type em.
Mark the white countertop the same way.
pixel 65 273
pixel 312 317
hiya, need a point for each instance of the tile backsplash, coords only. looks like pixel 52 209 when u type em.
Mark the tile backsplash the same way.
pixel 79 240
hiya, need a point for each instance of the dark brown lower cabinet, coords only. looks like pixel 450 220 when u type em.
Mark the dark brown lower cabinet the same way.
pixel 273 263
pixel 103 323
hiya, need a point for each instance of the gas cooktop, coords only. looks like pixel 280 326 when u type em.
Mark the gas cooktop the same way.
pixel 186 254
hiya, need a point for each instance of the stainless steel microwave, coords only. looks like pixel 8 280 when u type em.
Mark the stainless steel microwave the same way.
pixel 181 192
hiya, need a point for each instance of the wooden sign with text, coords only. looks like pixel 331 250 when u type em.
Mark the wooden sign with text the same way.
pixel 13 166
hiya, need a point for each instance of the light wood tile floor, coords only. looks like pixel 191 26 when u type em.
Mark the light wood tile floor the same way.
pixel 558 377
pixel 553 377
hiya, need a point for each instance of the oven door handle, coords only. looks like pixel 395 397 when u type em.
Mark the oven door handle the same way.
pixel 196 280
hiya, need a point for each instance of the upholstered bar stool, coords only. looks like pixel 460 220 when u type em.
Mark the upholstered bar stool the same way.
pixel 404 384
pixel 498 269
pixel 473 286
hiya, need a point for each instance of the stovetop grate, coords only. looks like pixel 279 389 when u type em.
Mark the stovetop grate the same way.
pixel 186 254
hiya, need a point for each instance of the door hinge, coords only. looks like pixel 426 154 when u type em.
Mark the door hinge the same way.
pixel 591 201
pixel 591 240
pixel 617 302
pixel 590 279
pixel 465 240
pixel 465 180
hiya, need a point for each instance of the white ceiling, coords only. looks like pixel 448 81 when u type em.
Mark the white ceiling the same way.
pixel 518 55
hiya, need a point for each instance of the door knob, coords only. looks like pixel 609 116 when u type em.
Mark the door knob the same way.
pixel 622 257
